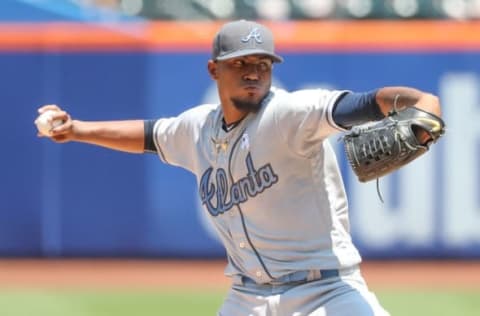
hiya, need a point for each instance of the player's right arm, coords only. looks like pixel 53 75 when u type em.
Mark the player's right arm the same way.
pixel 127 136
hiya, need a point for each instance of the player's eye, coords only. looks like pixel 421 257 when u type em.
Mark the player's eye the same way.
pixel 264 66
pixel 238 63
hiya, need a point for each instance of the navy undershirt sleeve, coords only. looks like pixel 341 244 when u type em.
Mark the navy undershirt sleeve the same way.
pixel 148 144
pixel 356 108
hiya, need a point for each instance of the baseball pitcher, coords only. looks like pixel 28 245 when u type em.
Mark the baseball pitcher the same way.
pixel 267 177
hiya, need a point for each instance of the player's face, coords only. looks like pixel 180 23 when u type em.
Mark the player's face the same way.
pixel 245 81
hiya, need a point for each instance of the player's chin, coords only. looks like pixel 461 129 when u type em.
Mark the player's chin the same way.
pixel 247 104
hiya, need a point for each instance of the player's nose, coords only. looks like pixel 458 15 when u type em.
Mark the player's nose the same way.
pixel 251 75
pixel 252 71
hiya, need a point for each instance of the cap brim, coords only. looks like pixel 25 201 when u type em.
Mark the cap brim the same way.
pixel 247 52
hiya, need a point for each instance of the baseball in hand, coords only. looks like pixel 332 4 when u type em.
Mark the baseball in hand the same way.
pixel 45 122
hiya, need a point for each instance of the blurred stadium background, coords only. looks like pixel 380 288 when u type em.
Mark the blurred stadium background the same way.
pixel 87 231
pixel 292 9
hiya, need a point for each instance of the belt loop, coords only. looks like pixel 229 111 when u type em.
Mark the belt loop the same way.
pixel 314 275
pixel 238 279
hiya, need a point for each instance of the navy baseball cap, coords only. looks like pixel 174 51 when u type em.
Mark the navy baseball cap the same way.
pixel 242 38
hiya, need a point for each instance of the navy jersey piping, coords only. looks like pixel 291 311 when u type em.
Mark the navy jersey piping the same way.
pixel 244 226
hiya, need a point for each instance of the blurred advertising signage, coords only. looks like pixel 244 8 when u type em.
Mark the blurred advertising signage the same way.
pixel 433 205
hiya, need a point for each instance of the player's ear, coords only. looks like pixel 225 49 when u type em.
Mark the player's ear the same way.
pixel 212 69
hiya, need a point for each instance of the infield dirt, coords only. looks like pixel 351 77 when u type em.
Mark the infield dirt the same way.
pixel 160 274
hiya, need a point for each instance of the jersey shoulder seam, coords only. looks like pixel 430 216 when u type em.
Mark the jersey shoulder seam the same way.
pixel 280 130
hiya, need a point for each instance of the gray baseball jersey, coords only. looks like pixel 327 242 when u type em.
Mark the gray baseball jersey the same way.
pixel 271 186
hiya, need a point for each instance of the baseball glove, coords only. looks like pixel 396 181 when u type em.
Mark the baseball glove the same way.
pixel 378 148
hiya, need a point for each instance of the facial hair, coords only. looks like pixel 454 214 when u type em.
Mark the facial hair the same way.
pixel 247 105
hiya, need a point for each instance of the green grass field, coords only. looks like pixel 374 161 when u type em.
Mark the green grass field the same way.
pixel 149 303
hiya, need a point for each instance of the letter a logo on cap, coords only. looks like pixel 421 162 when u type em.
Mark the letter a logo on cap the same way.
pixel 255 34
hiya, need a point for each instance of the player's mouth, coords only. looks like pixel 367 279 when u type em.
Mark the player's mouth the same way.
pixel 251 87
pixel 252 91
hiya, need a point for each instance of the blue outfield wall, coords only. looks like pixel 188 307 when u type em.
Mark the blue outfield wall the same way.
pixel 80 200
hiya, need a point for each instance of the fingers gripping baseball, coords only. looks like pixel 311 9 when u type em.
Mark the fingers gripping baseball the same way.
pixel 423 136
pixel 55 123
